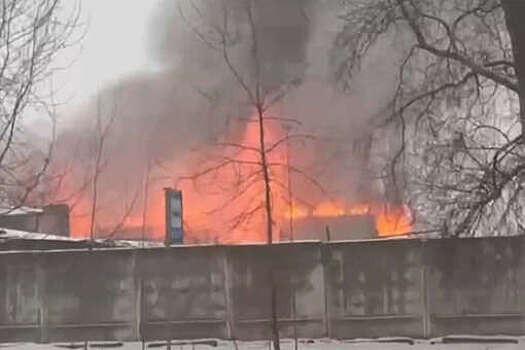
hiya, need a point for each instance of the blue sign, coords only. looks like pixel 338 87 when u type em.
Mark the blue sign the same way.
pixel 174 222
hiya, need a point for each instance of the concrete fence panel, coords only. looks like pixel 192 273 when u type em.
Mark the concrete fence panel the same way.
pixel 19 298
pixel 375 289
pixel 88 295
pixel 476 285
pixel 298 279
pixel 361 289
pixel 183 293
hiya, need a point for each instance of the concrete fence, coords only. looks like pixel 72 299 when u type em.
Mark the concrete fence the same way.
pixel 340 290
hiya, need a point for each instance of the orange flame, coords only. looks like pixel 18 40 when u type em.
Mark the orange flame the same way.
pixel 209 208
pixel 389 221
pixel 329 209
pixel 296 212
pixel 393 222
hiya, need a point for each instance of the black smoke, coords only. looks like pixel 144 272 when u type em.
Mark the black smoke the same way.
pixel 194 100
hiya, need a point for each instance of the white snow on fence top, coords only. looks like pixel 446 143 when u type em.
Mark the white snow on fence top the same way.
pixel 6 233
pixel 288 344
pixel 135 244
pixel 18 234
pixel 20 211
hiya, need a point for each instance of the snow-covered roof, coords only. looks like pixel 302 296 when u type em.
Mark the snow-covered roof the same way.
pixel 20 211
pixel 134 244
pixel 6 233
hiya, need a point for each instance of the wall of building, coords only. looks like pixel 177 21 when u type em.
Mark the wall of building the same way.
pixel 335 228
pixel 340 290
pixel 22 222
pixel 52 218
pixel 24 244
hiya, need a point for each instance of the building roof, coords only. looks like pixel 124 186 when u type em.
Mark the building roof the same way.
pixel 20 211
pixel 33 239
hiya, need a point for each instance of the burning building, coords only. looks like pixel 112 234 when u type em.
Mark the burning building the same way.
pixel 200 137
pixel 224 201
pixel 336 221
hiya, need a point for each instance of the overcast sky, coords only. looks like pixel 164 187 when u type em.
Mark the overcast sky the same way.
pixel 115 46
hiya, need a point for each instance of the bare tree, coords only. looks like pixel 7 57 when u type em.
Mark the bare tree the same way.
pixel 258 167
pixel 457 109
pixel 101 134
pixel 32 34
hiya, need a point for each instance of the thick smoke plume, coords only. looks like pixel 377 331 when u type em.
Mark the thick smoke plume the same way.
pixel 159 121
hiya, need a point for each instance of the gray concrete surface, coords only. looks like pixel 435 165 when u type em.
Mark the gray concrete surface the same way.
pixel 342 290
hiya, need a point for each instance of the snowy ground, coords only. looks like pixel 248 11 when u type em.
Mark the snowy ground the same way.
pixel 503 343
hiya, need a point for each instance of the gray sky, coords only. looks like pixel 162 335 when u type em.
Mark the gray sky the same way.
pixel 115 46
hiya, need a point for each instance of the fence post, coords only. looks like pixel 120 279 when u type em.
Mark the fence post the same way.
pixel 228 285
pixel 139 298
pixel 326 300
pixel 425 290
pixel 41 287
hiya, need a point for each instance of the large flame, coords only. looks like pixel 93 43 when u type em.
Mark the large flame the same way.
pixel 225 205
pixel 395 221
pixel 389 220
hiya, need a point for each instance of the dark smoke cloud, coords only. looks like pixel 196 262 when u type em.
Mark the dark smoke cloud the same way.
pixel 194 100
pixel 283 29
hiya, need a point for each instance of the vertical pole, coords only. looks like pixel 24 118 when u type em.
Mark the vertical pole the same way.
pixel 275 318
pixel 138 302
pixel 290 223
pixel 167 208
pixel 293 302
pixel 228 285
pixel 42 309
pixel 294 314
pixel 37 222
pixel 141 310
pixel 324 268
pixel 289 176
pixel 425 295
pixel 145 200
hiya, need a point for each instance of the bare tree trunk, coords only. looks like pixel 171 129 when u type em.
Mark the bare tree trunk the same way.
pixel 102 132
pixel 266 177
pixel 269 227
pixel 514 14
pixel 96 173
pixel 145 200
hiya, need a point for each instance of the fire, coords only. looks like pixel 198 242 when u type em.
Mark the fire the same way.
pixel 296 212
pixel 226 205
pixel 393 222
pixel 329 209
pixel 389 220
pixel 361 209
